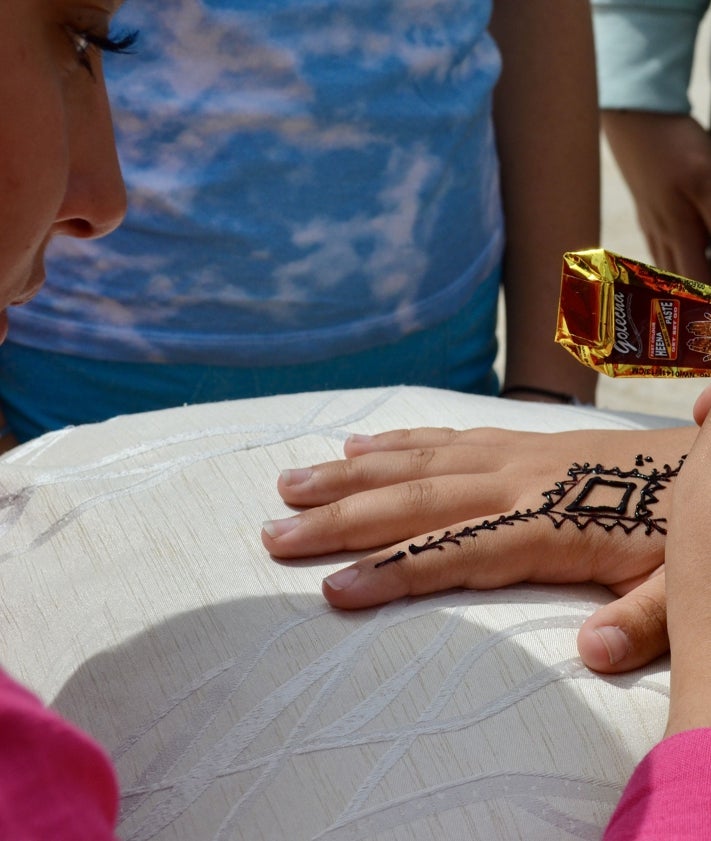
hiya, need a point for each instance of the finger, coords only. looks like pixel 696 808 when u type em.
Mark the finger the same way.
pixel 678 240
pixel 386 515
pixel 661 255
pixel 485 438
pixel 683 235
pixel 704 209
pixel 702 406
pixel 478 555
pixel 629 632
pixel 689 252
pixel 333 480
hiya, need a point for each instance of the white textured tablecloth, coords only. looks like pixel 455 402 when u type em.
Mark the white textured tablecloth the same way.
pixel 137 598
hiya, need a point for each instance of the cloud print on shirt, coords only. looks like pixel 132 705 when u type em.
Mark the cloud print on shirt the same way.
pixel 279 156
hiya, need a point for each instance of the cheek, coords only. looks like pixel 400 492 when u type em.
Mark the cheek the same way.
pixel 33 175
pixel 33 159
pixel 26 218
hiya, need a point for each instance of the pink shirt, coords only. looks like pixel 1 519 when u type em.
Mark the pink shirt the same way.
pixel 55 782
pixel 668 797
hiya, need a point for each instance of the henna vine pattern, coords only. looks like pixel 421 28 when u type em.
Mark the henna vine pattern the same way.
pixel 609 498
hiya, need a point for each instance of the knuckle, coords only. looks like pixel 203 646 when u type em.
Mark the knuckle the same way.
pixel 653 615
pixel 417 496
pixel 451 435
pixel 421 459
pixel 406 437
pixel 442 434
pixel 350 470
pixel 332 517
pixel 495 437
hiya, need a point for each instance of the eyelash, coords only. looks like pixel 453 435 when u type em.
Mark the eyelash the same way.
pixel 84 40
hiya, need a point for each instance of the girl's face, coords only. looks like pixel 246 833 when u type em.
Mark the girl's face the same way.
pixel 59 172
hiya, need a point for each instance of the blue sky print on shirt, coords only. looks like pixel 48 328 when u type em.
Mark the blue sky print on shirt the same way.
pixel 279 156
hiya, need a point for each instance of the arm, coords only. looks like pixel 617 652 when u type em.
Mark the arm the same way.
pixel 669 793
pixel 689 585
pixel 547 136
pixel 644 57
pixel 54 781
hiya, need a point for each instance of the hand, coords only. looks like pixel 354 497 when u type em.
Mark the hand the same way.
pixel 666 162
pixel 689 584
pixel 485 508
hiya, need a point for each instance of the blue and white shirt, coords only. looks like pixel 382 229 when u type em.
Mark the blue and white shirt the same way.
pixel 305 177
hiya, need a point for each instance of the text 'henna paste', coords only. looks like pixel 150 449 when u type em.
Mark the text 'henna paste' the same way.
pixel 609 498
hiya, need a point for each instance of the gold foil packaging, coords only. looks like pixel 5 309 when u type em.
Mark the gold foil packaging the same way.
pixel 627 319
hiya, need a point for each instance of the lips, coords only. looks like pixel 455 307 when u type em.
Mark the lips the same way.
pixel 31 282
pixel 23 299
pixel 28 293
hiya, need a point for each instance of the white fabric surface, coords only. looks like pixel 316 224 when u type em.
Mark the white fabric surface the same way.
pixel 137 598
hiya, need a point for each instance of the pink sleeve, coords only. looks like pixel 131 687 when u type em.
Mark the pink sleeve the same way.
pixel 668 797
pixel 54 781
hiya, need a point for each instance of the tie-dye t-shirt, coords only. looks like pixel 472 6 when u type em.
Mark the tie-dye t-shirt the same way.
pixel 305 178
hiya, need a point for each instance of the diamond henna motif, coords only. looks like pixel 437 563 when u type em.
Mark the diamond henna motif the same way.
pixel 592 486
pixel 602 497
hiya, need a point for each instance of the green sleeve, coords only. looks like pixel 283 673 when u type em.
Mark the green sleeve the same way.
pixel 645 51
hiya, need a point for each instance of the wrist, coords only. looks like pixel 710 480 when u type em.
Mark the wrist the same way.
pixel 544 395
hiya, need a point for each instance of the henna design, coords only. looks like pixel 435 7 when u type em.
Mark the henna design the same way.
pixel 588 483
pixel 589 489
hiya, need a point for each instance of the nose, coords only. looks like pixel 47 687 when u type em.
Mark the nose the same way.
pixel 94 202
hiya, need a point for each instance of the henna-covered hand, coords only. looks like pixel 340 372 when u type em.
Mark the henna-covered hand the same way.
pixel 484 508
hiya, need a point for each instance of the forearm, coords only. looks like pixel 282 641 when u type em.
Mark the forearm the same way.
pixel 688 585
pixel 689 625
pixel 548 135
pixel 668 794
pixel 54 781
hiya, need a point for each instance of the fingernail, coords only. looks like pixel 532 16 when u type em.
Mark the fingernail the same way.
pixel 360 439
pixel 343 578
pixel 615 641
pixel 297 476
pixel 278 528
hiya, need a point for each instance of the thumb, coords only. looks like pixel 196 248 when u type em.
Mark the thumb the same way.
pixel 702 406
pixel 629 632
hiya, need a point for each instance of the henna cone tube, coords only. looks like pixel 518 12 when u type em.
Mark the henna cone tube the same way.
pixel 628 319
